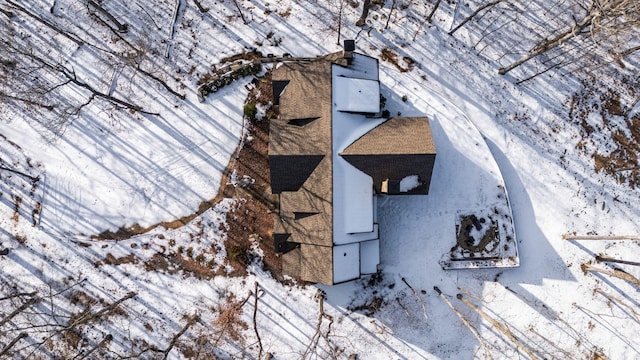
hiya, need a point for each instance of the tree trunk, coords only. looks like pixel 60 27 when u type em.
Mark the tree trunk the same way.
pixel 435 7
pixel 615 273
pixel 500 327
pixel 464 321
pixel 478 10
pixel 618 56
pixel 550 44
pixel 121 27
pixel 47 23
pixel 365 12
pixel 6 349
pixel 201 8
pixel 426 19
pixel 393 7
pixel 600 237
pixel 619 261
pixel 235 2
pixel 340 4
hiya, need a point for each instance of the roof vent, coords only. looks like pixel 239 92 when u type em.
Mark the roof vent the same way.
pixel 349 48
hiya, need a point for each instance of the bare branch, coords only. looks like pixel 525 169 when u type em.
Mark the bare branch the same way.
pixel 621 303
pixel 89 317
pixel 192 320
pixel 313 345
pixel 255 326
pixel 6 349
pixel 164 84
pixel 55 28
pixel 600 237
pixel 465 322
pixel 18 295
pixel 500 327
pixel 19 309
pixel 415 293
pixel 615 273
pixel 599 17
pixel 473 14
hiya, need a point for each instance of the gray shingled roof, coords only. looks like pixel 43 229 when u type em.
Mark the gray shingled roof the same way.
pixel 306 96
pixel 397 148
pixel 410 135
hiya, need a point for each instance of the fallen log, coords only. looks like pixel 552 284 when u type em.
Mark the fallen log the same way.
pixel 600 237
pixel 615 273
pixel 464 321
pixel 500 327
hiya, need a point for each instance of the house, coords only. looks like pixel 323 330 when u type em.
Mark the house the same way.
pixel 330 156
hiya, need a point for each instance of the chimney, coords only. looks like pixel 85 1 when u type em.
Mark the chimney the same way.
pixel 349 48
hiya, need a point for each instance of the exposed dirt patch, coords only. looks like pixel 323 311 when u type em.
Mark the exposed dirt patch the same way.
pixel 247 177
pixel 369 308
pixel 610 135
pixel 81 298
pixel 391 57
pixel 372 295
pixel 479 242
pixel 285 14
pixel 112 260
pixel 17 200
pixel 175 263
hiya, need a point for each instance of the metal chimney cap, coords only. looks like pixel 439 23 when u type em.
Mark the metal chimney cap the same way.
pixel 349 45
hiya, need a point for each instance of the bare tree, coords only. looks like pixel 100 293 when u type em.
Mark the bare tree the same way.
pixel 601 16
pixel 365 12
pixel 339 6
pixel 393 7
pixel 427 18
pixel 433 11
pixel 67 76
pixel 473 14
pixel 244 20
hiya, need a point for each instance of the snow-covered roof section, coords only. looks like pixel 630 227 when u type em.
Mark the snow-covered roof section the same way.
pixel 346 262
pixel 356 200
pixel 353 211
pixel 369 256
pixel 356 95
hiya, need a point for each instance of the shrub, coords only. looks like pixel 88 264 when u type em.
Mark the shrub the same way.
pixel 237 253
pixel 250 111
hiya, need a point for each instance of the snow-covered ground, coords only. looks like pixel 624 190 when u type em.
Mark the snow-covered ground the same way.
pixel 112 168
